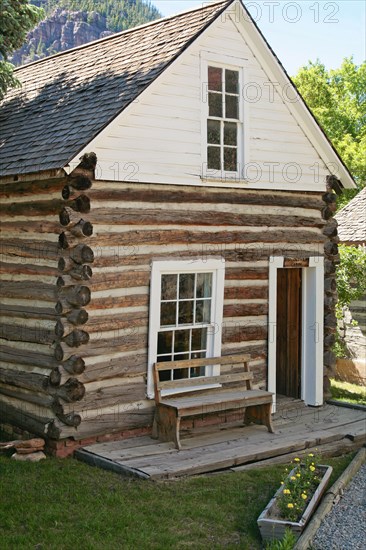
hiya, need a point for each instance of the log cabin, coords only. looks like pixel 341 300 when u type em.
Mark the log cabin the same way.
pixel 166 194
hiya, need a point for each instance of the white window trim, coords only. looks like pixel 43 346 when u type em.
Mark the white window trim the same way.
pixel 214 265
pixel 236 64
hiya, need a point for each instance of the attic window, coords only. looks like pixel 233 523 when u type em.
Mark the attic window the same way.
pixel 223 119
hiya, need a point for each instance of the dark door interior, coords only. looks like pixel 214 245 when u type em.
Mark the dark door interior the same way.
pixel 288 360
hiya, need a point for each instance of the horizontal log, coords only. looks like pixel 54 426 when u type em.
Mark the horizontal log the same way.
pixel 23 333
pixel 111 396
pixel 243 333
pixel 165 216
pixel 69 240
pixel 31 208
pixel 104 346
pixel 30 249
pixel 246 293
pixel 105 323
pixel 32 187
pixel 27 380
pixel 127 279
pixel 42 400
pixel 240 273
pixel 37 425
pixel 176 236
pixel 245 310
pixel 27 312
pixel 23 227
pixel 146 194
pixel 76 295
pixel 25 357
pixel 29 290
pixel 74 365
pixel 27 269
pixel 133 300
pixel 118 367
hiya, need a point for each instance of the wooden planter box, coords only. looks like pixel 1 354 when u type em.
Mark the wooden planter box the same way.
pixel 273 528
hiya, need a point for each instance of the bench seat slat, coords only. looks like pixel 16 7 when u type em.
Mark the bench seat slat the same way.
pixel 220 399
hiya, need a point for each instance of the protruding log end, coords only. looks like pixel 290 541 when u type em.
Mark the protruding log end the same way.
pixel 78 317
pixel 64 217
pixel 80 182
pixel 76 295
pixel 71 419
pixel 74 365
pixel 55 377
pixel 82 254
pixel 58 353
pixel 88 161
pixel 82 229
pixel 76 338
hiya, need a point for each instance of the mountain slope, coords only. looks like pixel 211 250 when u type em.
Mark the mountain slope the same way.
pixel 71 23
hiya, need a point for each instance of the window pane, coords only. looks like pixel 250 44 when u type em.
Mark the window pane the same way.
pixel 230 133
pixel 198 371
pixel 165 340
pixel 230 159
pixel 215 104
pixel 215 79
pixel 168 314
pixel 232 106
pixel 185 316
pixel 204 285
pixel 213 131
pixel 203 311
pixel 232 81
pixel 181 341
pixel 178 374
pixel 165 375
pixel 213 158
pixel 169 287
pixel 199 340
pixel 186 285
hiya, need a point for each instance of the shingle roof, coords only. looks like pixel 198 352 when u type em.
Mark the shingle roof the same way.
pixel 67 99
pixel 352 220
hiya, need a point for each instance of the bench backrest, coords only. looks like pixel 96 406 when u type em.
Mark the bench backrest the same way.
pixel 182 385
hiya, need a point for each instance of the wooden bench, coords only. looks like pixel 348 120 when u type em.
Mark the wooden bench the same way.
pixel 223 395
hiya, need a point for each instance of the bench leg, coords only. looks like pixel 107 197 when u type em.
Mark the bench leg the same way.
pixel 166 425
pixel 259 414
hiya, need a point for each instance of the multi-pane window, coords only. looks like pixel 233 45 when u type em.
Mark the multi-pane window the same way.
pixel 185 317
pixel 186 308
pixel 223 119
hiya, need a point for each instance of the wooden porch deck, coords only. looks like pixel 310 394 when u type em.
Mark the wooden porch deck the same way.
pixel 331 429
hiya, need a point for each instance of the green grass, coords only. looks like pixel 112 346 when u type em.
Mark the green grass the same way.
pixel 350 393
pixel 64 504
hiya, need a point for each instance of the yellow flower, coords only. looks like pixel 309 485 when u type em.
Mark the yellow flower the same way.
pixel 311 454
pixel 286 492
pixel 282 482
pixel 312 469
pixel 304 496
pixel 290 505
pixel 296 460
pixel 298 475
pixel 293 478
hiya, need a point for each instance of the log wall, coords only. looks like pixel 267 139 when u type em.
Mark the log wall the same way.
pixel 75 268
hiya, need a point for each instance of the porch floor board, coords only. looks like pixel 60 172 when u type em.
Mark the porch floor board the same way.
pixel 212 448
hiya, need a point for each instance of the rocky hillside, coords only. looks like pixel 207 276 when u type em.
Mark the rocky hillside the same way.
pixel 65 28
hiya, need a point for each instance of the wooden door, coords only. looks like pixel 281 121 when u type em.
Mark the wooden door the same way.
pixel 288 360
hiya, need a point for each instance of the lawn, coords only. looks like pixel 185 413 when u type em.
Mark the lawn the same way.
pixel 64 504
pixel 350 393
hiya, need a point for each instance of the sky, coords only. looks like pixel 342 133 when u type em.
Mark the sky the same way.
pixel 302 30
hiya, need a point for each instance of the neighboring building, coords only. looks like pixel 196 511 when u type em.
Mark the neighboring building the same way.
pixel 352 232
pixel 197 227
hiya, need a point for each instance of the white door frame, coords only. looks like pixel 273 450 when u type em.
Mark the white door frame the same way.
pixel 312 336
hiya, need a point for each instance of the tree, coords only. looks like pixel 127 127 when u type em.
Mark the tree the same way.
pixel 16 19
pixel 337 99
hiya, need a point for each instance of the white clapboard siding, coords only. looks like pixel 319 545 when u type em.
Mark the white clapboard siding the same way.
pixel 158 138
